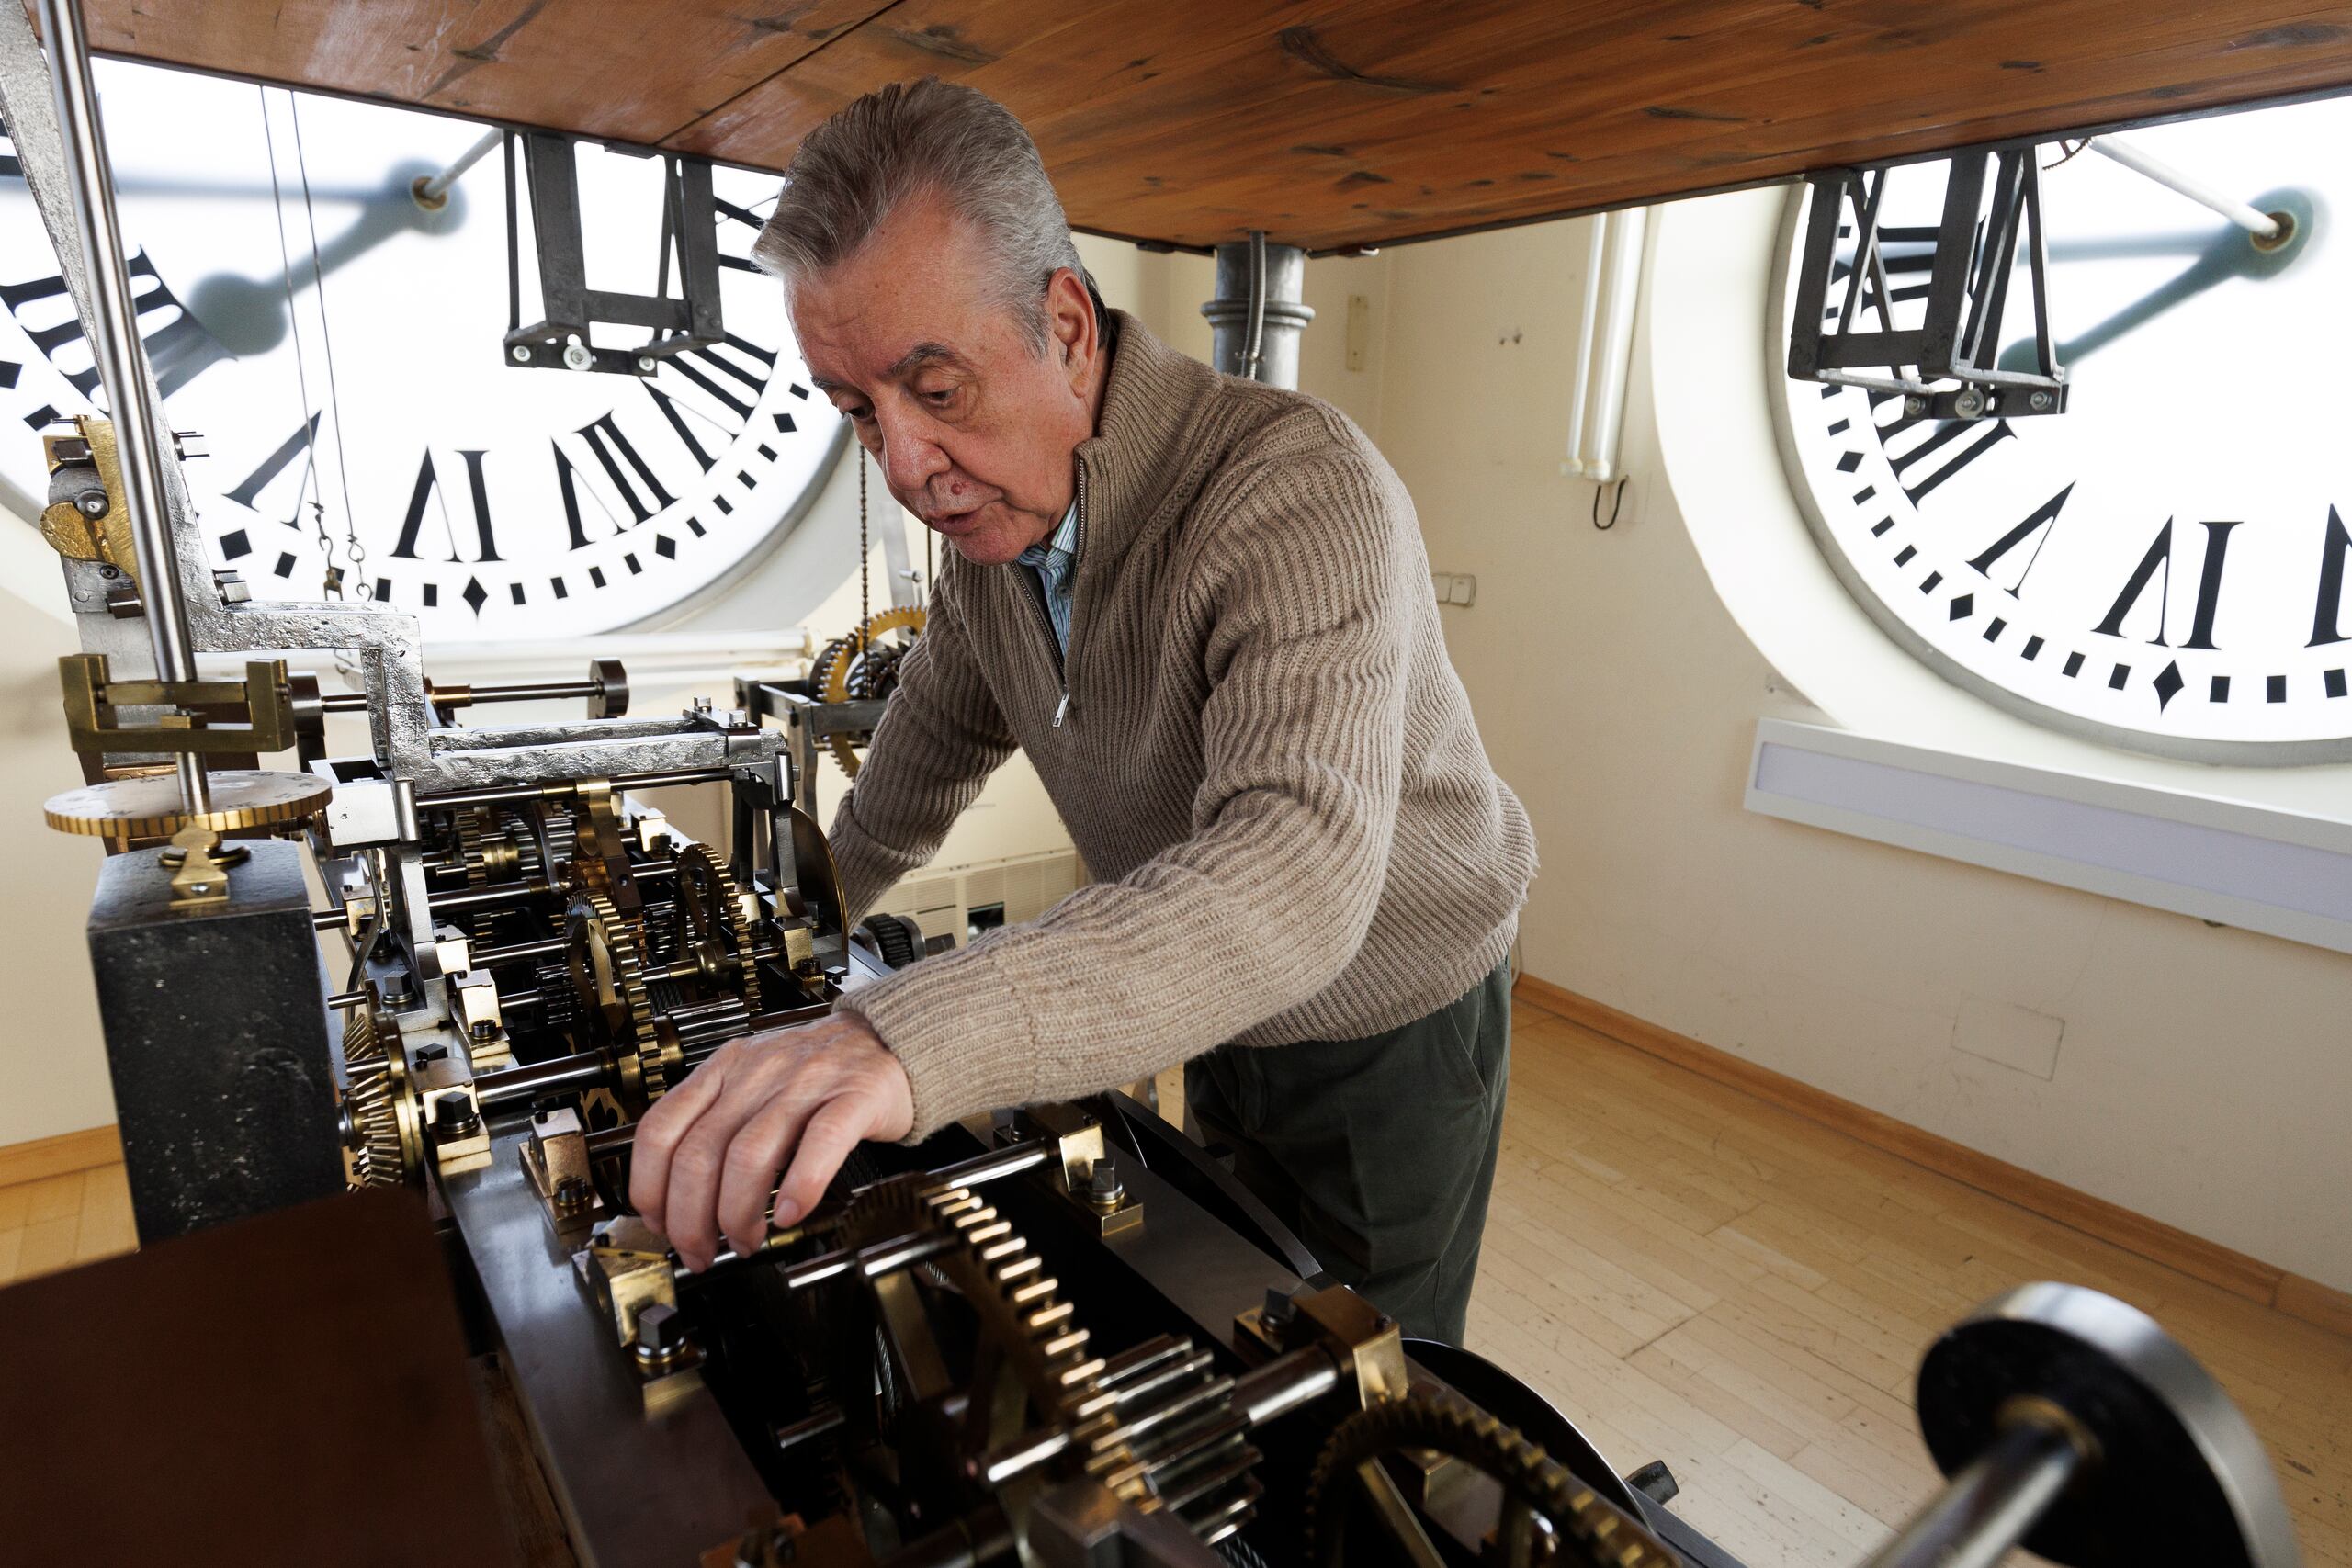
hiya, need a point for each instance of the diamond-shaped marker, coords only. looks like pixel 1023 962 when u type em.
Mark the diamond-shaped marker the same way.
pixel 1964 606
pixel 2168 684
pixel 475 593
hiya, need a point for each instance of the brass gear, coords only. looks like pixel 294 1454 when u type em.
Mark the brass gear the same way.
pixel 1587 1531
pixel 604 958
pixel 381 1136
pixel 1040 1360
pixel 711 912
pixel 831 672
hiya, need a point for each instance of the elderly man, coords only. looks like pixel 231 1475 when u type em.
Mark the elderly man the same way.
pixel 1201 605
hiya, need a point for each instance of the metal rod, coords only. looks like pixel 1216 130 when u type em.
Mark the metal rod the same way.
pixel 342 999
pixel 494 795
pixel 1989 1507
pixel 548 947
pixel 1281 1385
pixel 510 1086
pixel 429 192
pixel 121 361
pixel 2252 219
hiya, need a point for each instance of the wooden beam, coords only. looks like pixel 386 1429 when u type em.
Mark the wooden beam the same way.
pixel 1327 122
pixel 2234 1271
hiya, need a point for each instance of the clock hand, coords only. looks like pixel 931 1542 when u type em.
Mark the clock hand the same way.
pixel 249 316
pixel 2231 254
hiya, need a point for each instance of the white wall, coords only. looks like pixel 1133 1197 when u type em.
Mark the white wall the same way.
pixel 2202 1076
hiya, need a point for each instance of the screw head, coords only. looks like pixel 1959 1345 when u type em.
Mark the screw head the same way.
pixel 645 362
pixel 1915 406
pixel 520 354
pixel 2040 403
pixel 1969 404
pixel 575 354
pixel 91 504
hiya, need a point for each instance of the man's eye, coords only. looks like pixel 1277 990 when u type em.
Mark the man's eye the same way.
pixel 859 415
pixel 939 400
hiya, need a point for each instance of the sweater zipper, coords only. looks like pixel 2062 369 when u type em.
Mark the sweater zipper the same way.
pixel 1062 656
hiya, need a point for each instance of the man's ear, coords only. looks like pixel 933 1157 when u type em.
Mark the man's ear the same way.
pixel 1070 323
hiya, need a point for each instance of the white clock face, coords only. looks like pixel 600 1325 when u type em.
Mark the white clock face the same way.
pixel 2167 564
pixel 488 500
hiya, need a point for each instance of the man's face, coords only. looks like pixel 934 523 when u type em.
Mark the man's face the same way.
pixel 974 427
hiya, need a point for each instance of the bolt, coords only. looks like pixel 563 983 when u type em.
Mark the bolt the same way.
pixel 572 1194
pixel 2040 403
pixel 91 504
pixel 645 362
pixel 1915 407
pixel 576 355
pixel 1969 404
pixel 522 354
pixel 454 1116
pixel 484 1029
pixel 1280 1308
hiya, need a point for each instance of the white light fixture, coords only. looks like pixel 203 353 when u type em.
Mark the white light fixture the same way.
pixel 1613 281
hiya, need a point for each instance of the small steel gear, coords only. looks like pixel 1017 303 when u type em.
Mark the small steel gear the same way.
pixel 1587 1532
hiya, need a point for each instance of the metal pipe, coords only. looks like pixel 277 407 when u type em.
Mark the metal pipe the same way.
pixel 494 795
pixel 1989 1507
pixel 432 191
pixel 2259 224
pixel 121 361
pixel 1258 314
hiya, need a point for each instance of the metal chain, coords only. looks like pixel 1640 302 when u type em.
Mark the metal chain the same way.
pixel 865 607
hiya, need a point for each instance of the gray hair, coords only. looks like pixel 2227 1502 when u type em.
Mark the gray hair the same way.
pixel 915 138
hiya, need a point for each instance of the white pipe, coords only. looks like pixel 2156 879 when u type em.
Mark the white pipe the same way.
pixel 1580 383
pixel 429 191
pixel 2250 218
pixel 1622 278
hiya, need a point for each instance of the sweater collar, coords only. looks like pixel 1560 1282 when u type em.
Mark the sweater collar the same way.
pixel 1139 442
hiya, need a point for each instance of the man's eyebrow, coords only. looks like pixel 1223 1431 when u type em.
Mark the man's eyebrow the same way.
pixel 921 355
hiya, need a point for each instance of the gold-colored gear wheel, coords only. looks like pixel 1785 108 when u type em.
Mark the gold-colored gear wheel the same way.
pixel 830 673
pixel 1587 1531
pixel 383 1140
pixel 605 957
pixel 152 808
pixel 1036 1366
pixel 712 910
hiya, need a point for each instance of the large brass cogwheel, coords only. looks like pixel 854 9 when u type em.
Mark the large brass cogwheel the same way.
pixel 606 964
pixel 382 1139
pixel 713 917
pixel 1586 1531
pixel 836 664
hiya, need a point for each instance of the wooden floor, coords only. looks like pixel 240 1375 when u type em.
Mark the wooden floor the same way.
pixel 60 1221
pixel 1696 1276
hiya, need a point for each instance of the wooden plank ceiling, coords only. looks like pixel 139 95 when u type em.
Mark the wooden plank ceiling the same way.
pixel 1327 122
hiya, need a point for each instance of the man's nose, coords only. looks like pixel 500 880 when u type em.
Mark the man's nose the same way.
pixel 909 456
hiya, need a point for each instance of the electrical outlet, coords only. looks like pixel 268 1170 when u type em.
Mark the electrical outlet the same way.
pixel 1454 587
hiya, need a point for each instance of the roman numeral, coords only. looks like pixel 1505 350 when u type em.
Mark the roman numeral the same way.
pixel 677 418
pixel 749 220
pixel 2159 556
pixel 428 482
pixel 180 348
pixel 2327 619
pixel 611 448
pixel 2043 521
pixel 568 485
pixel 1946 433
pixel 248 491
pixel 741 387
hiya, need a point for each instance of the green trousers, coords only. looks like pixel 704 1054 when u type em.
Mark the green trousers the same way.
pixel 1379 1153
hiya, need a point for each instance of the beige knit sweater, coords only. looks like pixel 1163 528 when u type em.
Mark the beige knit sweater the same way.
pixel 1264 759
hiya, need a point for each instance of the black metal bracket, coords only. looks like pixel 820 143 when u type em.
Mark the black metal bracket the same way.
pixel 569 307
pixel 1945 364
